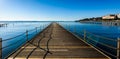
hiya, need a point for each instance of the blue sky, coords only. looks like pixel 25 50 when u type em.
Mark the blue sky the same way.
pixel 53 10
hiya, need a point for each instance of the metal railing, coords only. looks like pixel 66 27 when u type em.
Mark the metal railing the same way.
pixel 18 40
pixel 2 25
pixel 110 47
pixel 38 44
pixel 0 48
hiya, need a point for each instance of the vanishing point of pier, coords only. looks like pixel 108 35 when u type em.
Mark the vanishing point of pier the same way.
pixel 54 42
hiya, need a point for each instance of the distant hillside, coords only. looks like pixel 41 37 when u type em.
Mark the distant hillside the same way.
pixel 110 17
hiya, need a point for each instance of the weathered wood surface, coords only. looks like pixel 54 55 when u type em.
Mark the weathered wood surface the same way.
pixel 61 45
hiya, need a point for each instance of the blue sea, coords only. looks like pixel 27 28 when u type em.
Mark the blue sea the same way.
pixel 102 37
pixel 14 34
pixel 102 34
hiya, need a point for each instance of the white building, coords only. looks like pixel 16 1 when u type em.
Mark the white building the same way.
pixel 118 15
pixel 111 16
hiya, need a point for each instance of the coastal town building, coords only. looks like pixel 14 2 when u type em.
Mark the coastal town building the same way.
pixel 110 17
pixel 118 15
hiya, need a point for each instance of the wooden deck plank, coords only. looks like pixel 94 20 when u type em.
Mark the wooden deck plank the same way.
pixel 62 45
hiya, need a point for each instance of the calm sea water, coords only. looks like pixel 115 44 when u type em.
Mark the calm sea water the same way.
pixel 98 29
pixel 16 28
pixel 100 36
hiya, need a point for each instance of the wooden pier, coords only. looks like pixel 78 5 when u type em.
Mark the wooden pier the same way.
pixel 57 43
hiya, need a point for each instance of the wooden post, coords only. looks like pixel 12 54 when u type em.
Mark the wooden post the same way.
pixel 84 35
pixel 26 35
pixel 0 48
pixel 118 48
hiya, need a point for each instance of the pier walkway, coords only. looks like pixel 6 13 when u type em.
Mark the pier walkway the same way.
pixel 56 43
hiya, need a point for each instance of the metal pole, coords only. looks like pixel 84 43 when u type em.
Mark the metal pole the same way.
pixel 43 26
pixel 0 48
pixel 118 48
pixel 84 35
pixel 39 29
pixel 66 26
pixel 69 27
pixel 26 35
pixel 74 29
pixel 36 30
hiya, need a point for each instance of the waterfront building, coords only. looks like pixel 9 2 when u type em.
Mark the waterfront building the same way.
pixel 118 15
pixel 109 17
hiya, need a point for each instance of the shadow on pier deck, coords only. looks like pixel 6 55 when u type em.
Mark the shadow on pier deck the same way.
pixel 57 43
